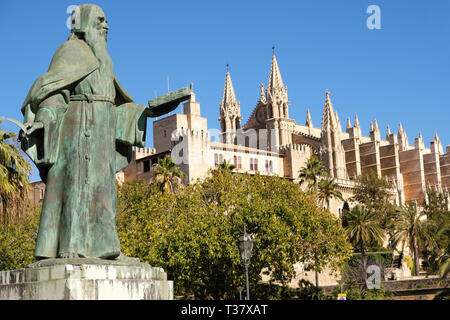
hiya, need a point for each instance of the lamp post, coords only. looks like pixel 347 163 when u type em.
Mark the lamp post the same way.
pixel 245 248
pixel 240 292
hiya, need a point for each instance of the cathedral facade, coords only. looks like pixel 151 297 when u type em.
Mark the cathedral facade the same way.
pixel 272 143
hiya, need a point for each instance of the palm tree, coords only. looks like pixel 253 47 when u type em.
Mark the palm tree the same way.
pixel 14 172
pixel 445 268
pixel 226 166
pixel 328 190
pixel 166 172
pixel 312 172
pixel 408 228
pixel 362 227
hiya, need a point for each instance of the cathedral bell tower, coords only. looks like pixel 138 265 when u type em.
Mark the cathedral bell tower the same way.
pixel 230 112
pixel 277 105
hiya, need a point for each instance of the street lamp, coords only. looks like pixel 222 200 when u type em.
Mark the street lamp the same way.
pixel 245 248
pixel 240 292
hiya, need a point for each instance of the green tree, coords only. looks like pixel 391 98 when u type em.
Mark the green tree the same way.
pixel 408 229
pixel 375 195
pixel 445 268
pixel 321 247
pixel 362 227
pixel 166 173
pixel 193 235
pixel 18 240
pixel 327 189
pixel 14 172
pixel 323 187
pixel 435 238
pixel 226 166
pixel 312 172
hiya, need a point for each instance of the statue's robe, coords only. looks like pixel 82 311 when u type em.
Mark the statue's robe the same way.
pixel 90 126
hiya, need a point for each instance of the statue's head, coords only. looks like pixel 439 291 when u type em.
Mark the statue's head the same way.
pixel 88 21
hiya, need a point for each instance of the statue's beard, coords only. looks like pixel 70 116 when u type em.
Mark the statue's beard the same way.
pixel 96 39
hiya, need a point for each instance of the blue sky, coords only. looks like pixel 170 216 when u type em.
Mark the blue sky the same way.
pixel 397 74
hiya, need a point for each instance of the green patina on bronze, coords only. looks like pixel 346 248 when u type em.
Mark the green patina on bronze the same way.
pixel 168 102
pixel 80 128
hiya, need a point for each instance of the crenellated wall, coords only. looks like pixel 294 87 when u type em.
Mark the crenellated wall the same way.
pixel 295 157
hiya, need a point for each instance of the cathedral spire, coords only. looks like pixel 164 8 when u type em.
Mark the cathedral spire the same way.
pixel 334 155
pixel 349 123
pixel 229 103
pixel 418 142
pixel 402 138
pixel 276 95
pixel 436 145
pixel 308 119
pixel 375 131
pixel 436 138
pixel 328 121
pixel 230 113
pixel 375 125
pixel 337 120
pixel 388 132
pixel 357 122
pixel 275 80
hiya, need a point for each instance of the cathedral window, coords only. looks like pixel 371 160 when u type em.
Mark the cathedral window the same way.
pixel 253 164
pixel 237 161
pixel 218 159
pixel 146 165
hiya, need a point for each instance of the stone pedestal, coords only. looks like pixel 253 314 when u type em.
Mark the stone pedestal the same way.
pixel 86 279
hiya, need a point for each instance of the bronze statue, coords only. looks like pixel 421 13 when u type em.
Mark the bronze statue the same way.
pixel 80 126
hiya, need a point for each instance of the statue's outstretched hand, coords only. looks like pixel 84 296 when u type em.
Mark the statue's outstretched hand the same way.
pixel 168 102
pixel 29 127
